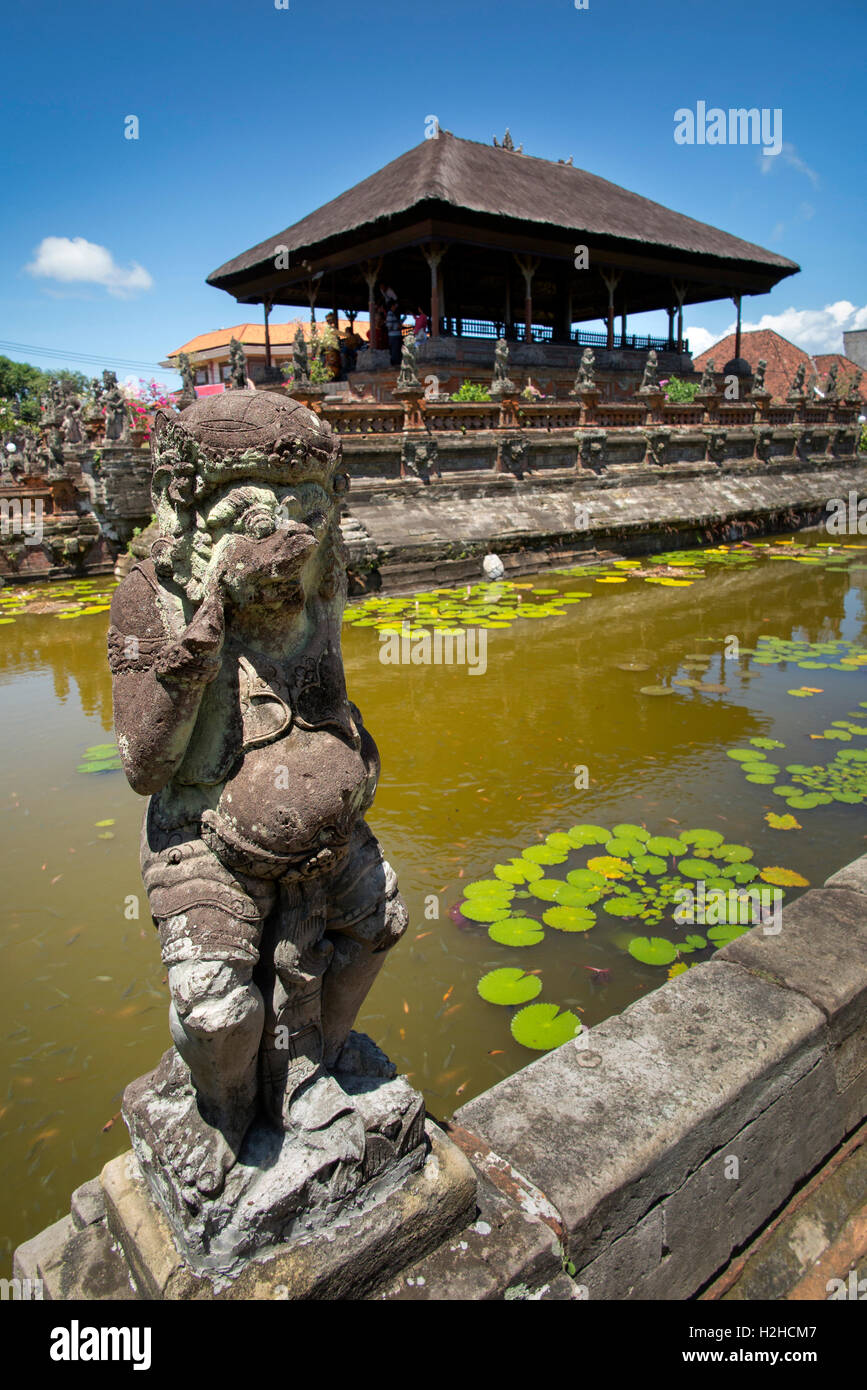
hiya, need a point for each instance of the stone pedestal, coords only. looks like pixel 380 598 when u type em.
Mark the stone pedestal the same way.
pixel 370 1237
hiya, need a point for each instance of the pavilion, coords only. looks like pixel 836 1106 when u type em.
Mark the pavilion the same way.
pixel 489 241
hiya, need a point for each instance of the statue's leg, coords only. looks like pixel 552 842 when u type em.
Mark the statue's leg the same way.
pixel 210 922
pixel 366 916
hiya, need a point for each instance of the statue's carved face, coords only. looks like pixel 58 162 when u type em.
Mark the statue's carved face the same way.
pixel 264 541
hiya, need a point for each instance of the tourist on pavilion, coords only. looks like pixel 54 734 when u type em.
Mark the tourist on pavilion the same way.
pixel 349 345
pixel 393 325
pixel 421 326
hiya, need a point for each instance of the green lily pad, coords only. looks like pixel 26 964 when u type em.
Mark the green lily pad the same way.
pixel 484 909
pixel 542 1026
pixel 569 919
pixel 516 931
pixel 509 985
pixel 652 950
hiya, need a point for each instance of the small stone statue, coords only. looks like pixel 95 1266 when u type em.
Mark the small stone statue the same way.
pixel 796 390
pixel 586 378
pixel 300 361
pixel 854 392
pixel 73 427
pixel 650 380
pixel 830 392
pixel 188 379
pixel 237 366
pixel 407 378
pixel 116 415
pixel 707 385
pixel 502 385
pixel 274 904
pixel 758 387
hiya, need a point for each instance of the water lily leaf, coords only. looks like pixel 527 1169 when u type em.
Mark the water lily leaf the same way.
pixel 631 832
pixel 693 868
pixel 542 1026
pixel 509 985
pixel 609 865
pixel 735 854
pixel 766 743
pixel 586 879
pixel 622 848
pixel 656 690
pixel 784 878
pixel 484 909
pixel 545 854
pixel 694 942
pixel 558 839
pixel 569 918
pixel 664 844
pixel 707 839
pixel 625 906
pixel 782 822
pixel 652 950
pixel 740 873
pixel 488 887
pixel 554 890
pixel 519 871
pixel 679 967
pixel 581 835
pixel 726 931
pixel 516 931
pixel 649 864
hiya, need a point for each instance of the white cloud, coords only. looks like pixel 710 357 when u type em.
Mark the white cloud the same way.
pixel 789 155
pixel 814 330
pixel 75 260
pixel 700 340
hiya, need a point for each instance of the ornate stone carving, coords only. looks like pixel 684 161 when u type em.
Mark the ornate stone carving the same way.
pixel 854 391
pixel 300 360
pixel 650 379
pixel 419 458
pixel 407 377
pixel 116 417
pixel 707 385
pixel 585 379
pixel 188 381
pixel 274 904
pixel 758 386
pixel 796 390
pixel 512 454
pixel 237 366
pixel 830 392
pixel 502 385
pixel 591 449
pixel 657 440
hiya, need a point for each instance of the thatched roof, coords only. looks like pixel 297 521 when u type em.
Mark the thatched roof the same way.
pixel 455 175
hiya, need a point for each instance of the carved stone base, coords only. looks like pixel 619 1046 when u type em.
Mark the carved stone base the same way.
pixel 350 1145
pixel 369 1241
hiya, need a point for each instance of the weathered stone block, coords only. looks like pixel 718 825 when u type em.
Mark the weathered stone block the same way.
pixel 350 1258
pixel 606 1133
pixel 88 1266
pixel 42 1249
pixel 87 1204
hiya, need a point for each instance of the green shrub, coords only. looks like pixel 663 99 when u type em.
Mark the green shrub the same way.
pixel 471 391
pixel 680 392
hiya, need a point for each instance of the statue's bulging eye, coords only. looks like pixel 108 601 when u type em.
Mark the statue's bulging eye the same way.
pixel 259 522
pixel 316 521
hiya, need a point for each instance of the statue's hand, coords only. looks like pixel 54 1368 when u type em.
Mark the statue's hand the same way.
pixel 194 659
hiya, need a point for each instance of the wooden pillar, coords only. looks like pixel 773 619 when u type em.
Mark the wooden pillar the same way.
pixel 528 265
pixel 611 282
pixel 736 300
pixel 680 295
pixel 508 304
pixel 623 326
pixel 433 254
pixel 267 305
pixel 371 271
pixel 671 313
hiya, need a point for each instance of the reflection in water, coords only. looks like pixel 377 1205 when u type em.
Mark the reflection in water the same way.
pixel 474 770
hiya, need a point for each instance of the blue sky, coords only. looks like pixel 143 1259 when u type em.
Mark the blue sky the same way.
pixel 250 116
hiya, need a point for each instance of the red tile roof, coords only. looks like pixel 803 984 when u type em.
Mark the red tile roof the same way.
pixel 783 359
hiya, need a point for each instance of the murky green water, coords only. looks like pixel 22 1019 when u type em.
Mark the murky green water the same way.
pixel 476 769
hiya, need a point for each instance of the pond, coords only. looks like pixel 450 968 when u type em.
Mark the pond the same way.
pixel 561 754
